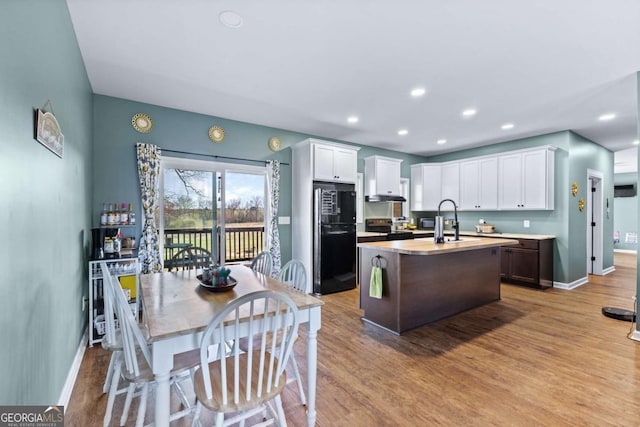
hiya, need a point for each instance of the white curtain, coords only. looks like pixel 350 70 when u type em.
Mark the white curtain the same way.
pixel 273 236
pixel 148 156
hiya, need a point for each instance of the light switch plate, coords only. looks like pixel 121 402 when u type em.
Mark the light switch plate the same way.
pixel 526 223
pixel 284 220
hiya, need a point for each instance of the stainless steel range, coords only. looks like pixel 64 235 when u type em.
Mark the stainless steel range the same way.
pixel 385 225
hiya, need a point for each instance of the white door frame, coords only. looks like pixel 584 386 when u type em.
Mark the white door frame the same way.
pixel 594 210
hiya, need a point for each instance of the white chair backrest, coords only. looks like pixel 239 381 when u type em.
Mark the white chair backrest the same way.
pixel 264 314
pixel 132 337
pixel 109 337
pixel 263 263
pixel 294 274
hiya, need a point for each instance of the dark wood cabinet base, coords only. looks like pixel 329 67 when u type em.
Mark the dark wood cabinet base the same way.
pixel 419 289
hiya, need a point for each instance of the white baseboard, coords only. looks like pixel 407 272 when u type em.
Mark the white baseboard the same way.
pixel 65 395
pixel 572 285
pixel 635 335
pixel 625 251
pixel 608 270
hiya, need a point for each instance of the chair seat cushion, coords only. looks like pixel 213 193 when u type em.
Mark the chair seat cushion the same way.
pixel 216 404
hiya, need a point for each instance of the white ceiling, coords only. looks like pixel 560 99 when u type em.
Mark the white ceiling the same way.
pixel 303 65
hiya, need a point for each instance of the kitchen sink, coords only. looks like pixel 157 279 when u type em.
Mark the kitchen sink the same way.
pixel 449 239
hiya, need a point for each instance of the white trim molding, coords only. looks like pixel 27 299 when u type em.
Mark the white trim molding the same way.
pixel 635 335
pixel 65 394
pixel 572 285
pixel 625 251
pixel 608 270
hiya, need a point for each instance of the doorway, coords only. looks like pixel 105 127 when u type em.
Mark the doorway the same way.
pixel 210 212
pixel 594 209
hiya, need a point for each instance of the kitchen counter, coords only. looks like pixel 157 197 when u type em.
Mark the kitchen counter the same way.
pixel 426 246
pixel 506 235
pixel 423 282
pixel 429 233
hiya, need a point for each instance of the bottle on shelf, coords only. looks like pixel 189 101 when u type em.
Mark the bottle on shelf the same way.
pixel 132 215
pixel 116 213
pixel 124 214
pixel 111 216
pixel 104 214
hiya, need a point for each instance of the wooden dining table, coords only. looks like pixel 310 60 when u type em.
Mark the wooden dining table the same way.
pixel 176 310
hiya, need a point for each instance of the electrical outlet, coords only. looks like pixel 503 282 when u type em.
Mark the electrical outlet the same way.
pixel 526 223
pixel 84 303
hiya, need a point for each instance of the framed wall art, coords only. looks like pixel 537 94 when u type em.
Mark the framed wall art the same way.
pixel 48 132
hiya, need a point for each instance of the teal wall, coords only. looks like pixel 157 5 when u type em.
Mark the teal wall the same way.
pixel 45 215
pixel 573 156
pixel 115 171
pixel 625 212
pixel 584 154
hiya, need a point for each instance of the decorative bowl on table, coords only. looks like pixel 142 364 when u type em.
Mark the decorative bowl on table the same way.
pixel 216 279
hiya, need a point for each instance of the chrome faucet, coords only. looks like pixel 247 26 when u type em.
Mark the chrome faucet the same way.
pixel 438 234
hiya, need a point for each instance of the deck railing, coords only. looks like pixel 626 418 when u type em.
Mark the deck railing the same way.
pixel 242 243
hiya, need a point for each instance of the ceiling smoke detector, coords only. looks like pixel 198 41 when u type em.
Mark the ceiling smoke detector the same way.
pixel 230 19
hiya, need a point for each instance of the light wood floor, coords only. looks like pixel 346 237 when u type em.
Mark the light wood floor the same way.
pixel 547 358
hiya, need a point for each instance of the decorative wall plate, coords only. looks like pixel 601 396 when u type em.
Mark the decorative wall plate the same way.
pixel 142 122
pixel 216 133
pixel 275 144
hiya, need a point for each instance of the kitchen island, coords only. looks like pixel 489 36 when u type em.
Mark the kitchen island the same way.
pixel 423 282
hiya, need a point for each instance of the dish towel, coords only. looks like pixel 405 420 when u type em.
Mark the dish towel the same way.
pixel 375 285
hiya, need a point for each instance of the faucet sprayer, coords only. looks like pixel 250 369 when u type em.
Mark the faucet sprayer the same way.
pixel 439 223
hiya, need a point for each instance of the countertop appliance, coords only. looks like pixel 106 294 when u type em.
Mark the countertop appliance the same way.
pixel 385 225
pixel 334 237
pixel 426 223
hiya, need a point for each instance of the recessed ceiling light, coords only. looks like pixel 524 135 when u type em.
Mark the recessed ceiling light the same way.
pixel 608 116
pixel 441 141
pixel 469 112
pixel 507 126
pixel 403 132
pixel 417 92
pixel 636 142
pixel 352 119
pixel 230 19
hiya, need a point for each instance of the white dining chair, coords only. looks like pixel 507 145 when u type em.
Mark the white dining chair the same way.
pixel 111 341
pixel 294 275
pixel 246 383
pixel 136 368
pixel 263 263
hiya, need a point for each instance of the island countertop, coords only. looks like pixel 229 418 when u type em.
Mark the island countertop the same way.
pixel 426 246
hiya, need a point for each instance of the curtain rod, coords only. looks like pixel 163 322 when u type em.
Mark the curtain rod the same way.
pixel 217 157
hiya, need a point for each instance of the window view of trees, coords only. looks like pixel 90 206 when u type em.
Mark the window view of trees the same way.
pixel 192 204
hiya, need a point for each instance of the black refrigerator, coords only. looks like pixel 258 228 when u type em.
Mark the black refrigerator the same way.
pixel 334 237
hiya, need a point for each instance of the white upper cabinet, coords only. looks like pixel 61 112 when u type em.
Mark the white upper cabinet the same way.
pixel 451 182
pixel 515 180
pixel 334 163
pixel 426 186
pixel 382 176
pixel 526 179
pixel 479 184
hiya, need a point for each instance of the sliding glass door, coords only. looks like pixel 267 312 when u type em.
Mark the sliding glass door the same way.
pixel 210 213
